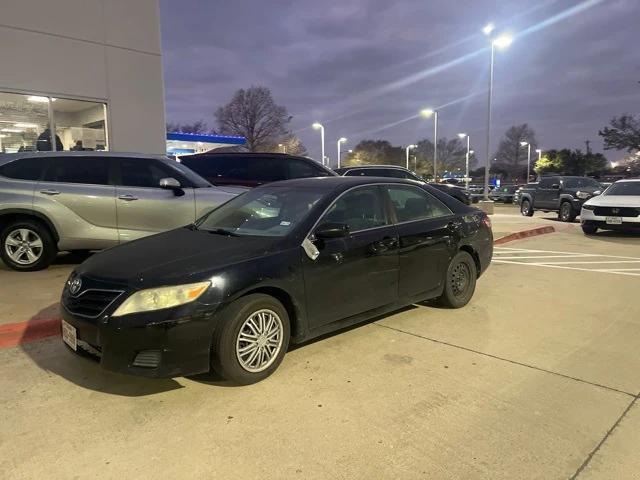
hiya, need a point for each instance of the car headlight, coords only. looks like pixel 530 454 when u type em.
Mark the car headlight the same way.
pixel 588 207
pixel 162 297
pixel 583 195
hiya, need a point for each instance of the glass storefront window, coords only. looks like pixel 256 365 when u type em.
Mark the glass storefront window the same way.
pixel 23 120
pixel 25 124
pixel 80 125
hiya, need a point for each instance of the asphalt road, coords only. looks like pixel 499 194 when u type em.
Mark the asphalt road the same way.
pixel 535 379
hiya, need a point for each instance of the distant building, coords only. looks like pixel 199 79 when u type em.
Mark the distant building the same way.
pixel 81 75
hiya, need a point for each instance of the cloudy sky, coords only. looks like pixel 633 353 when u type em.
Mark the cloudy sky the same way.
pixel 364 68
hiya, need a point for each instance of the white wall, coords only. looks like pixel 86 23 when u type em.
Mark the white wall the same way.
pixel 105 50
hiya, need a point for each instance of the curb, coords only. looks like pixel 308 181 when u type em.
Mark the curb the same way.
pixel 14 334
pixel 524 234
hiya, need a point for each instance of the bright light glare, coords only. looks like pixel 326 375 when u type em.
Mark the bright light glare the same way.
pixel 524 144
pixel 25 125
pixel 427 112
pixel 317 126
pixel 471 152
pixel 12 130
pixel 538 150
pixel 37 99
pixel 488 28
pixel 462 135
pixel 503 41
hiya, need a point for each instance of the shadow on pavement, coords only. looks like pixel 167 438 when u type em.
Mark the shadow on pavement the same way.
pixel 52 355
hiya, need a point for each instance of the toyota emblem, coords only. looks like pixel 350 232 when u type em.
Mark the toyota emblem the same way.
pixel 75 286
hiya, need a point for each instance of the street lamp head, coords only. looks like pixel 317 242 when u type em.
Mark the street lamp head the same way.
pixel 411 146
pixel 462 135
pixel 350 151
pixel 317 126
pixel 471 152
pixel 503 41
pixel 427 112
pixel 524 144
pixel 280 145
pixel 538 150
pixel 488 28
pixel 342 140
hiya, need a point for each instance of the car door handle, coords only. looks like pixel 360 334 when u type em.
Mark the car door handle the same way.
pixel 50 191
pixel 383 245
pixel 127 198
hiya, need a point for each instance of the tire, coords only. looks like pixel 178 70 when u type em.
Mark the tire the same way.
pixel 589 229
pixel 39 240
pixel 227 358
pixel 526 209
pixel 566 212
pixel 460 281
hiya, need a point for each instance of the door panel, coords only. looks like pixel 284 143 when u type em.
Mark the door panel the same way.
pixel 351 275
pixel 76 193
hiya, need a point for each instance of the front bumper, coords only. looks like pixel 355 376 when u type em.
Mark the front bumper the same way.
pixel 179 338
pixel 588 217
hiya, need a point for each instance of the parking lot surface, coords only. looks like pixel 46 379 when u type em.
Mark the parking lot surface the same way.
pixel 535 379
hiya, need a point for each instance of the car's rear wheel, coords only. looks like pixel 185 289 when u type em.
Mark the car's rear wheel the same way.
pixel 251 339
pixel 589 229
pixel 526 209
pixel 566 213
pixel 27 245
pixel 460 281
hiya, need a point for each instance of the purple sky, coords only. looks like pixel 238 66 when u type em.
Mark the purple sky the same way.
pixel 359 66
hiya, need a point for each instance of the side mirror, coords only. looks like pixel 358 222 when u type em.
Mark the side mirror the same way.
pixel 555 186
pixel 332 230
pixel 171 183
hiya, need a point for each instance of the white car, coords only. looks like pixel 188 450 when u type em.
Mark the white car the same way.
pixel 618 208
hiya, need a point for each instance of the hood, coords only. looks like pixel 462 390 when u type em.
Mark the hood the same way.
pixel 615 201
pixel 177 256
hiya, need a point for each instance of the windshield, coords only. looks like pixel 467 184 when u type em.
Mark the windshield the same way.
pixel 581 183
pixel 266 212
pixel 185 171
pixel 624 188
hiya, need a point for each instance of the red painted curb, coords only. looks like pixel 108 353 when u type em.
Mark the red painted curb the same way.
pixel 13 334
pixel 524 234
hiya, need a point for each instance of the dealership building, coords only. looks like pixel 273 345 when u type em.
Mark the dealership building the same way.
pixel 81 74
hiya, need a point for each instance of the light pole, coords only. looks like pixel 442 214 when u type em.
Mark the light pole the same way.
pixel 409 147
pixel 501 42
pixel 539 152
pixel 283 147
pixel 319 126
pixel 466 175
pixel 426 113
pixel 528 145
pixel 341 140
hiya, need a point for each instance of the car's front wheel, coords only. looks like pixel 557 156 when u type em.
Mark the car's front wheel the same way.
pixel 27 245
pixel 566 212
pixel 526 209
pixel 460 281
pixel 589 229
pixel 251 339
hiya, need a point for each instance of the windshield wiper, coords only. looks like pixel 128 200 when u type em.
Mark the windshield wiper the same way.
pixel 223 231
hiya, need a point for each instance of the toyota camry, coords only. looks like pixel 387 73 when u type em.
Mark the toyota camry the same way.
pixel 280 264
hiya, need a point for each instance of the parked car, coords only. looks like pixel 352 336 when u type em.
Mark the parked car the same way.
pixel 55 201
pixel 562 194
pixel 253 169
pixel 477 192
pixel 517 194
pixel 393 171
pixel 504 194
pixel 276 265
pixel 618 208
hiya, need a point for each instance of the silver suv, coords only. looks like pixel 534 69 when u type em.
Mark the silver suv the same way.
pixel 68 201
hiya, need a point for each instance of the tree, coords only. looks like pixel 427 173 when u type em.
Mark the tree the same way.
pixel 451 156
pixel 571 162
pixel 292 145
pixel 375 152
pixel 511 154
pixel 199 126
pixel 253 114
pixel 624 134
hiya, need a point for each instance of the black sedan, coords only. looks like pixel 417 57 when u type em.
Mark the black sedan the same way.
pixel 282 263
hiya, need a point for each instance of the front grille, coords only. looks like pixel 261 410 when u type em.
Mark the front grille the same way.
pixel 616 211
pixel 89 303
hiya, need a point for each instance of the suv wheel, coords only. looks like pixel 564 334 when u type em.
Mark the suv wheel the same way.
pixel 526 209
pixel 27 245
pixel 566 213
pixel 251 339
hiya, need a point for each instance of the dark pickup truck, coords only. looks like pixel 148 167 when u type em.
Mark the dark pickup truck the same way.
pixel 561 194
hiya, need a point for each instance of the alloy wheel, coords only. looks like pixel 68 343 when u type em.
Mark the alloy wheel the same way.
pixel 565 212
pixel 259 340
pixel 23 246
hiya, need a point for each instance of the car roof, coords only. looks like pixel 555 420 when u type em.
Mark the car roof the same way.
pixel 353 167
pixel 627 180
pixel 8 157
pixel 339 182
pixel 282 156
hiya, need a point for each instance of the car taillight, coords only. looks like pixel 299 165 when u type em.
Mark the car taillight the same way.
pixel 486 220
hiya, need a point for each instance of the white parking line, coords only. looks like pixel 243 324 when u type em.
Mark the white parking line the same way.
pixel 572 260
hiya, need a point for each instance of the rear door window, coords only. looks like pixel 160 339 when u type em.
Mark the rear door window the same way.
pixel 86 170
pixel 24 168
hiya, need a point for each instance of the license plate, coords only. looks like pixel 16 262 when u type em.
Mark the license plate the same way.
pixel 614 220
pixel 69 335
